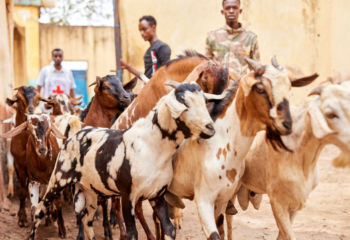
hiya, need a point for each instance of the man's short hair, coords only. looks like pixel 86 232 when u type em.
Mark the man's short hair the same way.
pixel 223 1
pixel 150 19
pixel 56 50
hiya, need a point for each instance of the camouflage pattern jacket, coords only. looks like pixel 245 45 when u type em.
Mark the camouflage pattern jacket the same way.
pixel 226 46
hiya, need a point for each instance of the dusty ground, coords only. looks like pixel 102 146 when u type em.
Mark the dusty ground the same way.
pixel 325 217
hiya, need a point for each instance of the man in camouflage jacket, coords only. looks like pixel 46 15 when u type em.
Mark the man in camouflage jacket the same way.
pixel 228 45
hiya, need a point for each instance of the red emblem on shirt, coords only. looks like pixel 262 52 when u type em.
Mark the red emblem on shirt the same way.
pixel 58 90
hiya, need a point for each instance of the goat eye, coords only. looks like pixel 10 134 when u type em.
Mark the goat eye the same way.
pixel 331 115
pixel 259 89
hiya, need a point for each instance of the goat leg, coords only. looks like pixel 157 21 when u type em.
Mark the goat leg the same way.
pixel 140 216
pixel 160 208
pixel 106 225
pixel 158 228
pixel 112 215
pixel 23 193
pixel 116 207
pixel 129 217
pixel 220 225
pixel 60 221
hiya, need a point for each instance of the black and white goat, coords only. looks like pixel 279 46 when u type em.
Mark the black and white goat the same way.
pixel 135 163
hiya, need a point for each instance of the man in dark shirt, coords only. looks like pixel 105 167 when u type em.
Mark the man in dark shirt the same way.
pixel 156 55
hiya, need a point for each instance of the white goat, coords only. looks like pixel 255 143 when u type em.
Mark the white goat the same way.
pixel 289 177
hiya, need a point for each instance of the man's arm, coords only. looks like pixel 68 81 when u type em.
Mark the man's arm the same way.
pixel 208 47
pixel 41 79
pixel 72 84
pixel 254 53
pixel 132 70
pixel 71 93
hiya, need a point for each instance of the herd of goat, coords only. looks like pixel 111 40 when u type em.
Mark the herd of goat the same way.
pixel 192 132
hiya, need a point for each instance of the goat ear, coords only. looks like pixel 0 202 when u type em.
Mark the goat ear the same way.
pixel 301 82
pixel 319 124
pixel 248 83
pixel 196 72
pixel 48 106
pixel 131 84
pixel 10 101
pixel 56 132
pixel 15 131
pixel 41 98
pixel 174 106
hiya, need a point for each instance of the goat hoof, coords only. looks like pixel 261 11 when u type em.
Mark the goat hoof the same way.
pixel 23 223
pixel 214 236
pixel 62 232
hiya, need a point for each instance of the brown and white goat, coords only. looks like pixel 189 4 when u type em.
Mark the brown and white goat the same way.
pixel 209 171
pixel 25 101
pixel 111 98
pixel 289 177
pixel 129 163
pixel 61 104
pixel 41 153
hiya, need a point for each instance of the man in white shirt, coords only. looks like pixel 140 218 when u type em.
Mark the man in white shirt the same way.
pixel 55 79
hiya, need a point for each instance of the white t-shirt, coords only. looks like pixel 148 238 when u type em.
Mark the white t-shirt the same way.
pixel 53 81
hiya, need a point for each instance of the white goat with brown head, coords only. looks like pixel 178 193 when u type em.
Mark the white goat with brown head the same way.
pixel 289 177
pixel 209 171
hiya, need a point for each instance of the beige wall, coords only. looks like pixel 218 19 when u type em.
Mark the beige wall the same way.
pixel 92 44
pixel 6 73
pixel 6 68
pixel 310 34
pixel 26 44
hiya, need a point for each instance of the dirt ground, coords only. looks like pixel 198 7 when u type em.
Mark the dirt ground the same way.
pixel 326 215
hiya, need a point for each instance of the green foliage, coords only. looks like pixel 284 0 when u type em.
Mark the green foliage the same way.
pixel 79 12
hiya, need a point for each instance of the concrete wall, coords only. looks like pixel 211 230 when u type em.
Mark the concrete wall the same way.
pixel 92 44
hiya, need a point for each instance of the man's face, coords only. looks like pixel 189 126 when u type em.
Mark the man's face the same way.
pixel 147 31
pixel 231 10
pixel 57 57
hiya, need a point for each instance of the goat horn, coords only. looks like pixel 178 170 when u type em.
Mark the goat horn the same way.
pixel 210 96
pixel 275 63
pixel 172 84
pixel 257 67
pixel 94 83
pixel 316 91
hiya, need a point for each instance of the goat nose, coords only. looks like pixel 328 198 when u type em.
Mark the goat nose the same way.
pixel 287 125
pixel 210 127
pixel 31 110
pixel 42 151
